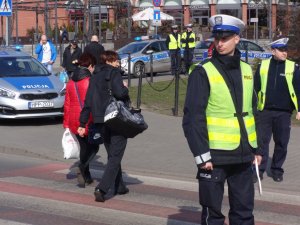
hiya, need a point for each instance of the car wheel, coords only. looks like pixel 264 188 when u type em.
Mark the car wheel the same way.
pixel 138 69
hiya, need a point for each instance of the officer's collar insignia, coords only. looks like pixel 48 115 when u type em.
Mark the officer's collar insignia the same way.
pixel 218 20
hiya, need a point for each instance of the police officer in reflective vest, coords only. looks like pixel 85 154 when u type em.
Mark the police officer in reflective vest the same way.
pixel 188 43
pixel 219 126
pixel 173 43
pixel 277 82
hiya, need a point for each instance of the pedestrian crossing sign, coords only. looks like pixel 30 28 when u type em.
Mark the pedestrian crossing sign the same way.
pixel 6 8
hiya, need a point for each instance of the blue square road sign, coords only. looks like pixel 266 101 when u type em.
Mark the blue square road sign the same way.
pixel 156 14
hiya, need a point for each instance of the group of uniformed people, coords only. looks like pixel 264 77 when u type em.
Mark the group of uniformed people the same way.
pixel 175 42
pixel 228 129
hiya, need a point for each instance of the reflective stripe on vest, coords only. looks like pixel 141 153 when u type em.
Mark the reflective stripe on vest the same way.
pixel 222 124
pixel 289 73
pixel 190 44
pixel 174 44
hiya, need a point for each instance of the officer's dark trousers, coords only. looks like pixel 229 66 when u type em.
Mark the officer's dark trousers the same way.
pixel 188 58
pixel 277 123
pixel 115 145
pixel 175 61
pixel 240 194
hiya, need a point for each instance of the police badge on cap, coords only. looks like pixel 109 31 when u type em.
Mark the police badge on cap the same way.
pixel 225 25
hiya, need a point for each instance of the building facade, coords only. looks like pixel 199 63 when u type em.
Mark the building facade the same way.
pixel 199 11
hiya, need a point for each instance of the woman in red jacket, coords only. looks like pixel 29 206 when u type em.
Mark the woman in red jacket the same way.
pixel 74 100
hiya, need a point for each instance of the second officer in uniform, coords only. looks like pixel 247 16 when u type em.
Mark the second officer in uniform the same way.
pixel 173 42
pixel 188 43
pixel 277 82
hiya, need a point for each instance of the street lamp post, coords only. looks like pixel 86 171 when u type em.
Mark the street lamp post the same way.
pixel 255 5
pixel 46 17
pixel 256 15
pixel 270 20
pixel 17 27
pixel 100 38
pixel 129 19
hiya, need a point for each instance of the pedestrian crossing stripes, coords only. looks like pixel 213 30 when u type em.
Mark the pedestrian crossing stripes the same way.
pixel 50 192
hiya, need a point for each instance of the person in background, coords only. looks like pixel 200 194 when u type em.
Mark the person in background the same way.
pixel 64 35
pixel 96 101
pixel 219 126
pixel 70 57
pixel 94 48
pixel 277 82
pixel 173 42
pixel 46 52
pixel 188 43
pixel 75 95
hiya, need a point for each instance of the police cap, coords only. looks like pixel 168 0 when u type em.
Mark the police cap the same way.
pixel 280 44
pixel 189 25
pixel 174 27
pixel 225 25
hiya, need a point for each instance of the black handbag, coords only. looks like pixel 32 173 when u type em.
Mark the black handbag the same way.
pixel 122 119
pixel 94 131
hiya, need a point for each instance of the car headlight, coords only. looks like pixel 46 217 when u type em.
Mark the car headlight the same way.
pixel 7 94
pixel 124 62
pixel 63 91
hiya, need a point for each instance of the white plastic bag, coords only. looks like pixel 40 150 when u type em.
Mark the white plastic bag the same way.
pixel 70 145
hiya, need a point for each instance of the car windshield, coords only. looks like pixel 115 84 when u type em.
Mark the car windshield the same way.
pixel 132 48
pixel 203 44
pixel 21 66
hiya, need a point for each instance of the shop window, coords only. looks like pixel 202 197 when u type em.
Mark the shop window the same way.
pixel 231 12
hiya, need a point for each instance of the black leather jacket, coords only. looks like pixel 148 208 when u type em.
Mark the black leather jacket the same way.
pixel 97 96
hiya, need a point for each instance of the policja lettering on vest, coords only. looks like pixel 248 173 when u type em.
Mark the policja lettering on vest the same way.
pixel 173 42
pixel 277 82
pixel 188 43
pixel 219 125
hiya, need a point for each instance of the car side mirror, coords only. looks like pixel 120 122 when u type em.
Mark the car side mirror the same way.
pixel 149 52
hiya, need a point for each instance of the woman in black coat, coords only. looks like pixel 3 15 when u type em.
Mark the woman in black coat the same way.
pixel 70 57
pixel 96 101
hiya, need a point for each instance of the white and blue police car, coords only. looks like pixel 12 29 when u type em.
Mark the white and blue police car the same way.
pixel 203 50
pixel 27 89
pixel 140 52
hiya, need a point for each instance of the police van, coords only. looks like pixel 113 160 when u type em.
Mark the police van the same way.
pixel 27 89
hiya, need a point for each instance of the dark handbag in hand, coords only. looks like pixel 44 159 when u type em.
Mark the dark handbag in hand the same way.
pixel 94 134
pixel 120 118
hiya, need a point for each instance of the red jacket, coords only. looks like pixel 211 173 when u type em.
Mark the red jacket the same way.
pixel 72 107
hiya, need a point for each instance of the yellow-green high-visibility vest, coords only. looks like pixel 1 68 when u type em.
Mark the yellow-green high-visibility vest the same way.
pixel 224 130
pixel 289 74
pixel 174 44
pixel 190 44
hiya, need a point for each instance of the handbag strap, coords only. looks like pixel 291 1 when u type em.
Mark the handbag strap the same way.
pixel 77 93
pixel 108 79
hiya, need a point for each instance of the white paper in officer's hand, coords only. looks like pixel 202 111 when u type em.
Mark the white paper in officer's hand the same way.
pixel 258 177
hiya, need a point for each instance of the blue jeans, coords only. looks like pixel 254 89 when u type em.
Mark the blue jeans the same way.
pixel 48 66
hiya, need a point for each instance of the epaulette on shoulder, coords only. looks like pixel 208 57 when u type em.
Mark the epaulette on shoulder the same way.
pixel 297 65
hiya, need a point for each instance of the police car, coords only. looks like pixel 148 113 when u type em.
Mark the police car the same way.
pixel 140 52
pixel 27 89
pixel 203 50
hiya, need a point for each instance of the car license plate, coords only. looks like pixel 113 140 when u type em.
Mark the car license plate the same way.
pixel 40 104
